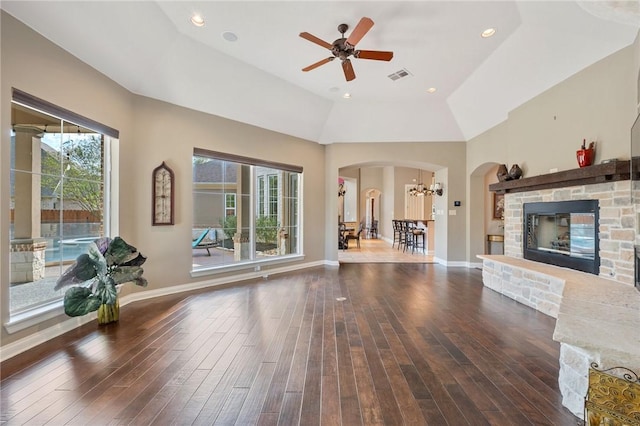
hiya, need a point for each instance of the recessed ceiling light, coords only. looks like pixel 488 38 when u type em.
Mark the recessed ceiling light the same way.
pixel 197 20
pixel 229 36
pixel 431 89
pixel 488 32
pixel 347 95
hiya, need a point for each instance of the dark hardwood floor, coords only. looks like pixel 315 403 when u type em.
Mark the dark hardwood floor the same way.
pixel 410 344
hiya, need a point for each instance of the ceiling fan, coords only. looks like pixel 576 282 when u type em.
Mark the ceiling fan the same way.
pixel 343 48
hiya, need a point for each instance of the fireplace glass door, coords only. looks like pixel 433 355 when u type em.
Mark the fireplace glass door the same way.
pixel 570 234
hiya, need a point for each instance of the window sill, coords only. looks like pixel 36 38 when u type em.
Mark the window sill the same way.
pixel 29 318
pixel 254 264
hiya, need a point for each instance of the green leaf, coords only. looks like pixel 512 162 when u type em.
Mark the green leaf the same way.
pixel 120 252
pixel 83 269
pixel 107 293
pixel 99 262
pixel 141 281
pixel 80 301
pixel 139 260
pixel 124 274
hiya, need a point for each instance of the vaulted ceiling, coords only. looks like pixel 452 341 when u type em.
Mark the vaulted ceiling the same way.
pixel 152 49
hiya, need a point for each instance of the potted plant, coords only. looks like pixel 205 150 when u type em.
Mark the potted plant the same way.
pixel 108 263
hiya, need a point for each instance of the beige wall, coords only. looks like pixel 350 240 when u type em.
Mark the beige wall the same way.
pixel 150 132
pixel 165 132
pixel 598 103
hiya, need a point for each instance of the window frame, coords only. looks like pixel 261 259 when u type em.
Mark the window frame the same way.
pixel 254 200
pixel 28 317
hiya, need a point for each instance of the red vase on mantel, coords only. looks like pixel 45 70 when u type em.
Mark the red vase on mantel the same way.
pixel 586 155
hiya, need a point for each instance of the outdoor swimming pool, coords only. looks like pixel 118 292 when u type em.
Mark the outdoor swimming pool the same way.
pixel 65 250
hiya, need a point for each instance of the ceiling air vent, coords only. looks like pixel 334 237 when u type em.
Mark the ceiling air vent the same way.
pixel 399 74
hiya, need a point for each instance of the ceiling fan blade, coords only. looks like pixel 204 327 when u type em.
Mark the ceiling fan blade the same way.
pixel 377 55
pixel 349 74
pixel 316 40
pixel 317 64
pixel 360 30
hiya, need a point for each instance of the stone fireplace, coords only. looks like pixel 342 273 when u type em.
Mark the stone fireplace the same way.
pixel 616 224
pixel 597 313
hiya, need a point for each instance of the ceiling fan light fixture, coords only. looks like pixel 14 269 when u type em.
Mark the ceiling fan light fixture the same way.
pixel 488 32
pixel 197 20
pixel 347 95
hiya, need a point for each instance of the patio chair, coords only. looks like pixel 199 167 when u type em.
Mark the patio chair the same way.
pixel 201 243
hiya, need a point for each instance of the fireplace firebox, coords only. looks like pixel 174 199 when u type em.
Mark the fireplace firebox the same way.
pixel 562 233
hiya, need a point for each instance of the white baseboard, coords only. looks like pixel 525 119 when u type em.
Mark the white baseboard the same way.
pixel 453 263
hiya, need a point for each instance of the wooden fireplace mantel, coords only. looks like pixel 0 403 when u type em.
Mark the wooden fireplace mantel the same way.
pixel 598 173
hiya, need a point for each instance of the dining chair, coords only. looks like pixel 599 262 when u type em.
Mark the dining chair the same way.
pixel 415 237
pixel 373 230
pixel 356 236
pixel 396 232
pixel 402 237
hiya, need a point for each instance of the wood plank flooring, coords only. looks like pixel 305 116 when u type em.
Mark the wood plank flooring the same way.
pixel 410 344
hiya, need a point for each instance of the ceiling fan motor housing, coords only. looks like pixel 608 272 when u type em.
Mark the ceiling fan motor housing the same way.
pixel 341 49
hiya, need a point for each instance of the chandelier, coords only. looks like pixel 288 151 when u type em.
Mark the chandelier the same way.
pixel 421 189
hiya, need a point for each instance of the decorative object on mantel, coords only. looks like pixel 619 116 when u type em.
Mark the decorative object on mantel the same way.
pixel 503 173
pixel 109 263
pixel 586 155
pixel 515 172
pixel 597 173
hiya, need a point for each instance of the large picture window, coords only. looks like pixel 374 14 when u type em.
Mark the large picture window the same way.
pixel 58 199
pixel 244 210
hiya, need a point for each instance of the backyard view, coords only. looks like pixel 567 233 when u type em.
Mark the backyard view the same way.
pixel 57 202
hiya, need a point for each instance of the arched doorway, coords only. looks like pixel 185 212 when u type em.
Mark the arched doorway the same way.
pixel 372 209
pixel 480 220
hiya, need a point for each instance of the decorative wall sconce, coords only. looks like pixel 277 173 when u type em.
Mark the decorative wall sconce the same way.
pixel 341 189
pixel 436 188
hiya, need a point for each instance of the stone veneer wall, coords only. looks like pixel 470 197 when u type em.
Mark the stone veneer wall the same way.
pixel 542 292
pixel 617 223
pixel 27 260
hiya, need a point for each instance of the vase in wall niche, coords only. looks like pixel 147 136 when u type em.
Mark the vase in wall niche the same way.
pixel 503 173
pixel 515 172
pixel 584 155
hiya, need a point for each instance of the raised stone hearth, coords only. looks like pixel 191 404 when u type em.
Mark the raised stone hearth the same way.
pixel 597 317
